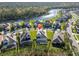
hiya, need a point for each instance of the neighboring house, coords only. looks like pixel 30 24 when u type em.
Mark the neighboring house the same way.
pixel 56 26
pixel 64 18
pixel 77 28
pixel 59 40
pixel 8 42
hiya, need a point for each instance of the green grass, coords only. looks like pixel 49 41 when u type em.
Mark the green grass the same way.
pixel 63 26
pixel 74 30
pixel 41 50
pixel 76 37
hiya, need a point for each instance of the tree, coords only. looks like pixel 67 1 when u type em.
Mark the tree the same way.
pixel 49 38
pixel 18 42
pixel 63 26
pixel 1 28
pixel 22 24
pixel 33 36
pixel 11 27
pixel 68 46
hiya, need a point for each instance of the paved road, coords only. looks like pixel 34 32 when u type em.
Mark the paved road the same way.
pixel 69 30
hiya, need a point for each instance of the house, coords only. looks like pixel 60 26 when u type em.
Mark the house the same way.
pixel 64 18
pixel 77 28
pixel 59 40
pixel 27 25
pixel 56 26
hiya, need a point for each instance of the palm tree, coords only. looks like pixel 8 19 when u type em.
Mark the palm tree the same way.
pixel 11 28
pixel 49 38
pixel 33 35
pixel 22 23
pixel 18 42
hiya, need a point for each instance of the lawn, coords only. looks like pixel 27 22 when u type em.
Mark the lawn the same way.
pixel 74 30
pixel 41 50
pixel 76 37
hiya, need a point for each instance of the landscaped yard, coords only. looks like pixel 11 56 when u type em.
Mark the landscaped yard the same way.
pixel 40 50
